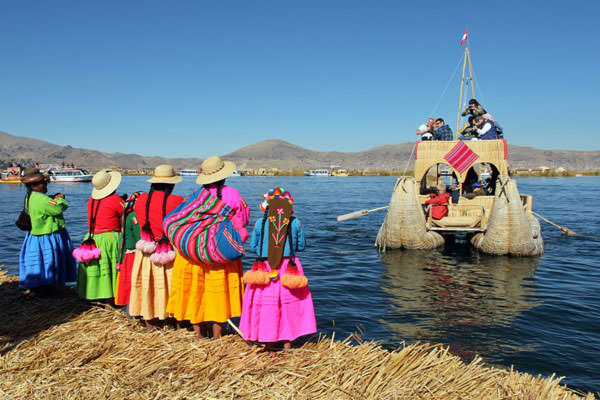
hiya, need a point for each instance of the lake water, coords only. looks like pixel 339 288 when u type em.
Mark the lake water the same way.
pixel 540 314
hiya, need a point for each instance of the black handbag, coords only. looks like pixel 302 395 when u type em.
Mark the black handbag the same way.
pixel 23 221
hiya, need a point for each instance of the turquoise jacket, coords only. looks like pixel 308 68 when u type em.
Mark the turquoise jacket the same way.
pixel 297 232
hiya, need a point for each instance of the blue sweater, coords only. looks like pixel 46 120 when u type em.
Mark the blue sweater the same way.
pixel 297 232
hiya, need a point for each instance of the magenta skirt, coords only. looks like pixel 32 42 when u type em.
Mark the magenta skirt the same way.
pixel 272 312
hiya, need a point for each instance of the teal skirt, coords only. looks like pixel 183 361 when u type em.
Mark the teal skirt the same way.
pixel 98 278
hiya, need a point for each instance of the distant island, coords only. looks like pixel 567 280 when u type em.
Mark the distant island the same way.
pixel 279 155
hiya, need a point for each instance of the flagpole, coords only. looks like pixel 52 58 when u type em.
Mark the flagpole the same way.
pixel 462 82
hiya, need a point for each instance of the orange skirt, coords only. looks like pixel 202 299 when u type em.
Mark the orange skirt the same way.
pixel 205 292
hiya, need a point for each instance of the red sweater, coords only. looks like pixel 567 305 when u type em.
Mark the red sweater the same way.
pixel 155 214
pixel 108 217
pixel 439 207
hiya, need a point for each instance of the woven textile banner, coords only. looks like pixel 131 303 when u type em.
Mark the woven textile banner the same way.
pixel 461 157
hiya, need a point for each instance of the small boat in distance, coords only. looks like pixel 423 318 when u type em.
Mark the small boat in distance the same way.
pixel 188 172
pixel 69 175
pixel 236 173
pixel 11 175
pixel 318 172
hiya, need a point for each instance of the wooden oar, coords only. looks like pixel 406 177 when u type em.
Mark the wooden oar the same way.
pixel 360 213
pixel 565 231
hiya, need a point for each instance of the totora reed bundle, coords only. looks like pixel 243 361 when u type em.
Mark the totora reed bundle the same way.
pixel 59 347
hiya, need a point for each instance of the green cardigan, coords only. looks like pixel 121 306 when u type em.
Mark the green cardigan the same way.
pixel 46 213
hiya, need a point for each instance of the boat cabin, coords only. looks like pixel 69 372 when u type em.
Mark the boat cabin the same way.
pixel 469 169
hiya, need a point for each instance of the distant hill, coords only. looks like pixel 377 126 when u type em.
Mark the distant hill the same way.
pixel 274 153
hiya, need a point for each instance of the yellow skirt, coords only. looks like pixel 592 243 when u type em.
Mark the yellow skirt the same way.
pixel 150 285
pixel 205 292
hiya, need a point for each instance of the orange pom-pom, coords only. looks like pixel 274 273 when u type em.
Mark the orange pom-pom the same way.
pixel 256 278
pixel 294 281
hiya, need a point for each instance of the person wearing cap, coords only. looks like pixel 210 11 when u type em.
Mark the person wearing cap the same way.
pixel 153 263
pixel 97 278
pixel 211 292
pixel 45 258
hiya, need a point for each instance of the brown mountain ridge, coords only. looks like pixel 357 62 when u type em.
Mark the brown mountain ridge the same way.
pixel 273 153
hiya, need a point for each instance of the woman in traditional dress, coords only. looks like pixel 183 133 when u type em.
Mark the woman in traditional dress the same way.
pixel 100 251
pixel 45 259
pixel 131 235
pixel 203 292
pixel 153 263
pixel 278 305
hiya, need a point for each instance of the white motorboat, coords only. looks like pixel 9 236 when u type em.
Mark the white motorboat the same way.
pixel 318 172
pixel 188 172
pixel 69 175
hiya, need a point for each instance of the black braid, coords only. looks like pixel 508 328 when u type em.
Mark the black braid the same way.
pixel 262 231
pixel 146 227
pixel 166 188
pixel 219 185
pixel 289 235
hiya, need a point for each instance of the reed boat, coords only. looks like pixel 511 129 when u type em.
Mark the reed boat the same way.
pixel 496 219
pixel 485 204
pixel 340 172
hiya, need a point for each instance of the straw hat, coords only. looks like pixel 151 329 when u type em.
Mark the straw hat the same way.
pixel 165 173
pixel 213 170
pixel 33 175
pixel 105 182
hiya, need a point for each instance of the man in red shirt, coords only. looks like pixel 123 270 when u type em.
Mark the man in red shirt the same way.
pixel 438 203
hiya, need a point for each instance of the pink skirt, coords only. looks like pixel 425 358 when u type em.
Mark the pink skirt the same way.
pixel 272 312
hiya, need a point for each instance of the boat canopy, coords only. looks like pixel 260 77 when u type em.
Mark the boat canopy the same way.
pixel 431 153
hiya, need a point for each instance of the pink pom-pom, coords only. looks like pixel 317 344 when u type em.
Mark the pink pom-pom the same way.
pixel 118 267
pixel 149 248
pixel 95 253
pixel 155 258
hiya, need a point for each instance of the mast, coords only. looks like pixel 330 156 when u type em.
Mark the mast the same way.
pixel 464 81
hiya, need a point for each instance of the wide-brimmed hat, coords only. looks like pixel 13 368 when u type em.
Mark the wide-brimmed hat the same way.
pixel 213 170
pixel 33 175
pixel 105 182
pixel 165 173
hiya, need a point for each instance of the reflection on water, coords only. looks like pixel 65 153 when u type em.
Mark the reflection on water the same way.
pixel 456 297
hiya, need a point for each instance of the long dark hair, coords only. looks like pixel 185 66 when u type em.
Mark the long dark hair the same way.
pixel 167 189
pixel 219 185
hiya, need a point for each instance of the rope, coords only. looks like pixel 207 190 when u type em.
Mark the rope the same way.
pixel 447 85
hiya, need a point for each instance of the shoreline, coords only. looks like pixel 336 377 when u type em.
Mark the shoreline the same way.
pixel 62 347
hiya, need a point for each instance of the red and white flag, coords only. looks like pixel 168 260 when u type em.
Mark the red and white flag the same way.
pixel 464 38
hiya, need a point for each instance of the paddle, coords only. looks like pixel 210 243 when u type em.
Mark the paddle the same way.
pixel 360 213
pixel 565 231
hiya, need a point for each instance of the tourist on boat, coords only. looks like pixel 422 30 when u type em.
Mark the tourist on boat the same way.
pixel 485 129
pixel 438 203
pixel 154 256
pixel 131 235
pixel 100 251
pixel 468 132
pixel 474 109
pixel 442 130
pixel 203 291
pixel 278 305
pixel 45 260
pixel 426 130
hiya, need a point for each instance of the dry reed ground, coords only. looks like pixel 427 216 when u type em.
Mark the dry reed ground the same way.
pixel 58 347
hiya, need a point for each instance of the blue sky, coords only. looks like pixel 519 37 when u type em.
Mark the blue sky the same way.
pixel 195 78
